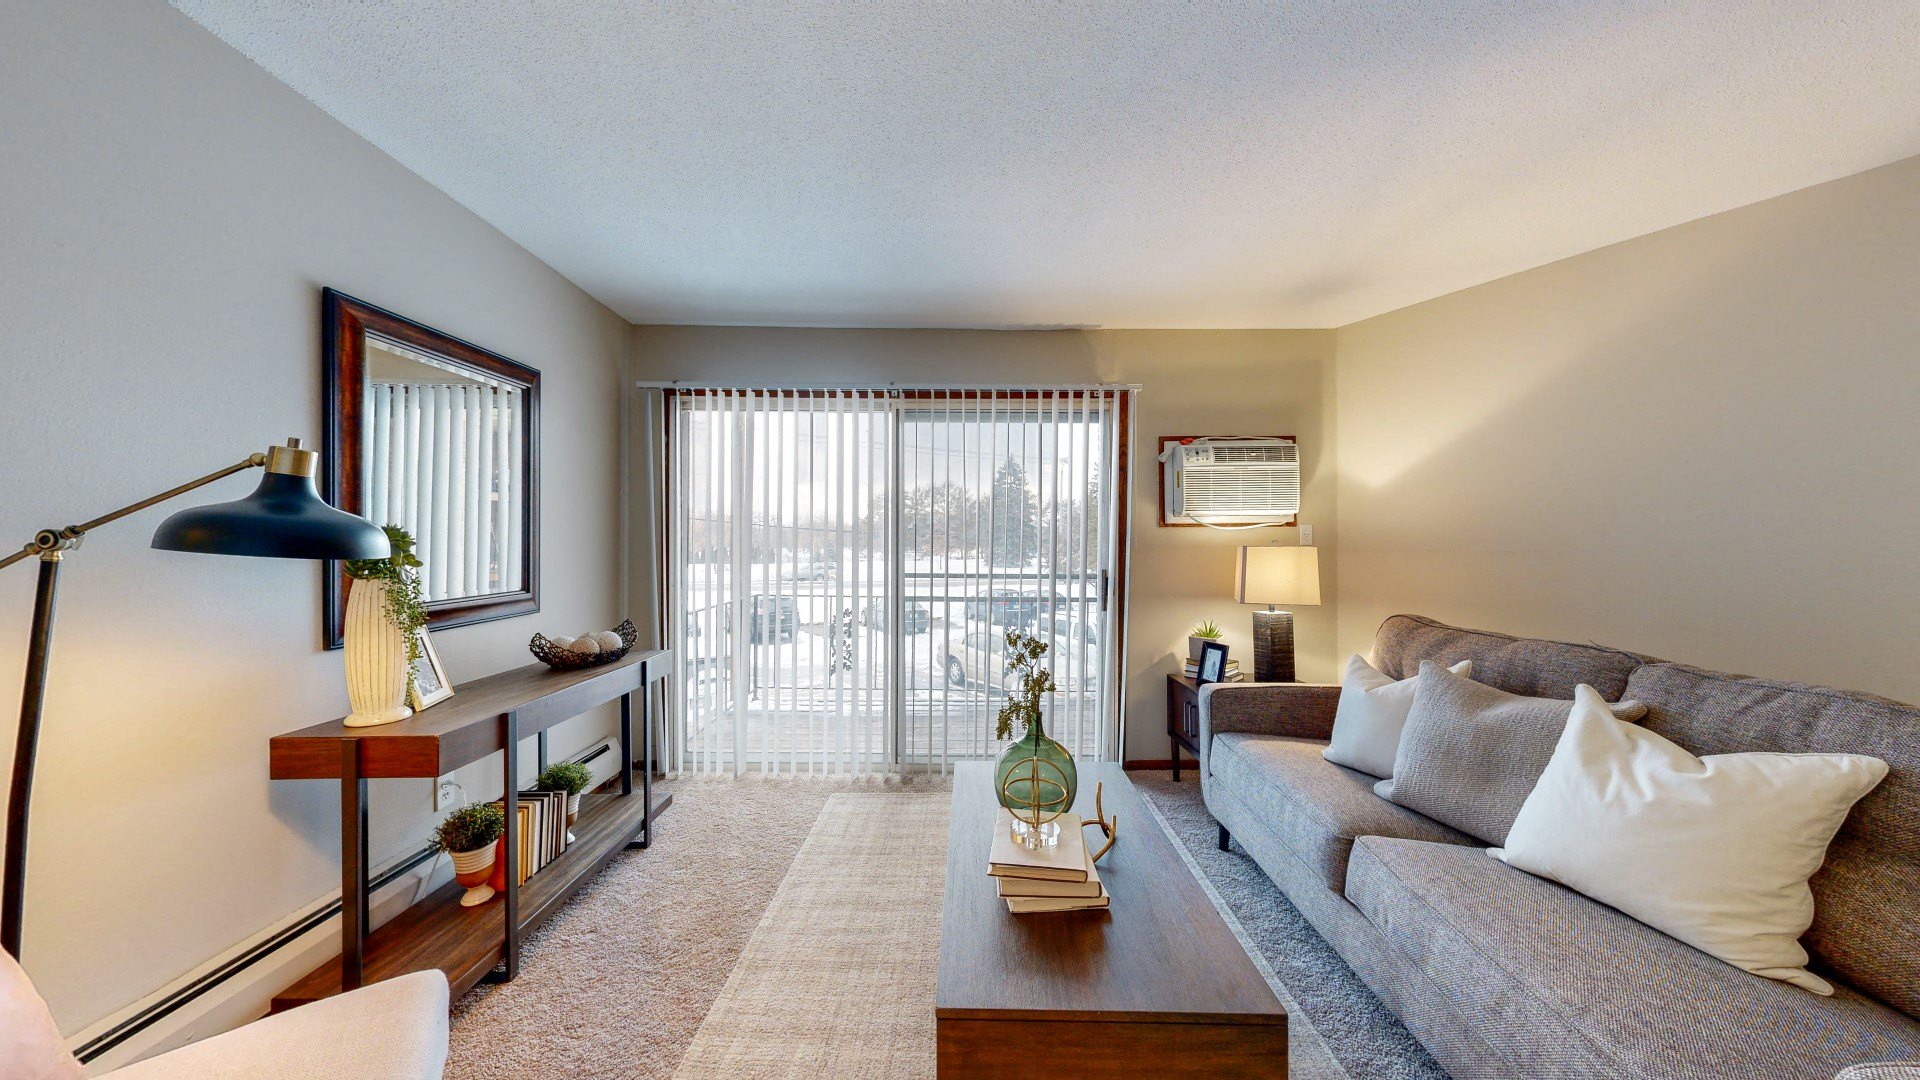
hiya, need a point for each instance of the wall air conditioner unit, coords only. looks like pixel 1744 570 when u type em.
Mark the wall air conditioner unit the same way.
pixel 1229 482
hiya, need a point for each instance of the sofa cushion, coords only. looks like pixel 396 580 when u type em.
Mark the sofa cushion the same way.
pixel 1517 665
pixel 1372 713
pixel 1866 896
pixel 1566 986
pixel 1313 805
pixel 1470 753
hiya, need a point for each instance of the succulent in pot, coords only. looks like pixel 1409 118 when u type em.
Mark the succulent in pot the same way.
pixel 1205 632
pixel 571 777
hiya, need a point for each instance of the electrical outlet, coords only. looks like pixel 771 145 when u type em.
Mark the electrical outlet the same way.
pixel 1306 536
pixel 444 793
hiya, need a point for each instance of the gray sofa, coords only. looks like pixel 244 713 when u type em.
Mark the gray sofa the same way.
pixel 1502 974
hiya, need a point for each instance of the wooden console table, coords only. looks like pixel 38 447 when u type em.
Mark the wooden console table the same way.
pixel 484 717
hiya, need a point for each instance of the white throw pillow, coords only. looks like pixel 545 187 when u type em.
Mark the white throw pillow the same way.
pixel 30 1044
pixel 1714 850
pixel 1372 710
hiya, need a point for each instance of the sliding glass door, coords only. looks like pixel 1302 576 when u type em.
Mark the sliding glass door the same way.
pixel 845 565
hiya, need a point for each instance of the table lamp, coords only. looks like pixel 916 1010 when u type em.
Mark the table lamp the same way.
pixel 284 518
pixel 1276 575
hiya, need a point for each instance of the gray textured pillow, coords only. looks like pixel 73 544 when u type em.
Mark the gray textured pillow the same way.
pixel 1470 754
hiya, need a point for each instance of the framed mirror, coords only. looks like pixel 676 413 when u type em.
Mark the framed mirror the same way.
pixel 442 438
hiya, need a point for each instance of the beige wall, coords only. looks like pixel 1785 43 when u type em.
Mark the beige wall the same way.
pixel 1699 444
pixel 1194 382
pixel 169 214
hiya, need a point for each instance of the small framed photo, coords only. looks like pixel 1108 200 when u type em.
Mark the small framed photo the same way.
pixel 1213 663
pixel 430 685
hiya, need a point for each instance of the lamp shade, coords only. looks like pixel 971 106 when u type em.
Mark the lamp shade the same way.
pixel 284 518
pixel 1288 575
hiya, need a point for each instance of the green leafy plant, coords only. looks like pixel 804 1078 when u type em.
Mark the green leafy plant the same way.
pixel 1207 630
pixel 469 828
pixel 1023 705
pixel 569 776
pixel 406 599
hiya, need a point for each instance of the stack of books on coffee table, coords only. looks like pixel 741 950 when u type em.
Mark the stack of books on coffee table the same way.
pixel 1056 878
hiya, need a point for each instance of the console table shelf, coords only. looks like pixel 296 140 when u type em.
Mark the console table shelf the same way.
pixel 483 718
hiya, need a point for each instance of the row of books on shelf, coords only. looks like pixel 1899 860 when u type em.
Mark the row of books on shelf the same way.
pixel 1234 674
pixel 542 835
pixel 1057 878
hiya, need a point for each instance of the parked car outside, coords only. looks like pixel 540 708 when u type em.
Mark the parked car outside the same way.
pixel 1011 607
pixel 770 620
pixel 978 660
pixel 917 618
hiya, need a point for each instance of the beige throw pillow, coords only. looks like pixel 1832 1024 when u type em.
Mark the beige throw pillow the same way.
pixel 1713 850
pixel 1372 710
pixel 1471 753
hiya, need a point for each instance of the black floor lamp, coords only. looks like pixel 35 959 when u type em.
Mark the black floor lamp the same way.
pixel 284 518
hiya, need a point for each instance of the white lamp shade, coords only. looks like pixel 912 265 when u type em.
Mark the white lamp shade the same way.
pixel 1281 575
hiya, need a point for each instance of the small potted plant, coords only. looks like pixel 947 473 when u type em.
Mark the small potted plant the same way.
pixel 1205 632
pixel 385 611
pixel 468 835
pixel 571 777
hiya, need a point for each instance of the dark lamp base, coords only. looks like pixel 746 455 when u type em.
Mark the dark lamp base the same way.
pixel 1273 646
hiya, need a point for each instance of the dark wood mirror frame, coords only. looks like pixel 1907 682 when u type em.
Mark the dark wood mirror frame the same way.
pixel 345 323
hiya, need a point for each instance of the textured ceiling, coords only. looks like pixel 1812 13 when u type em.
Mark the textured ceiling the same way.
pixel 1128 163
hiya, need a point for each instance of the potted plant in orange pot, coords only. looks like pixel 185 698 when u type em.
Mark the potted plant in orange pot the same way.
pixel 571 777
pixel 468 835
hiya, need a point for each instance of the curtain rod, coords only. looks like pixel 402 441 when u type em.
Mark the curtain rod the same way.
pixel 674 384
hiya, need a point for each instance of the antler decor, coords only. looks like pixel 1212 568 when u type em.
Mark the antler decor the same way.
pixel 1108 826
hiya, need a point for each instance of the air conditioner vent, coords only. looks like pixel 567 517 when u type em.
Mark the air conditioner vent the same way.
pixel 1232 481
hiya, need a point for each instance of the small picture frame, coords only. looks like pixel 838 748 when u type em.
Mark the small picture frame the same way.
pixel 430 685
pixel 1213 663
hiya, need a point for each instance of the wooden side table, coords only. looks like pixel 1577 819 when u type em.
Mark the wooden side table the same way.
pixel 1183 718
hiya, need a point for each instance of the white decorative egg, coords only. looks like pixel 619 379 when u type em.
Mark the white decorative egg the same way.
pixel 585 645
pixel 562 642
pixel 608 640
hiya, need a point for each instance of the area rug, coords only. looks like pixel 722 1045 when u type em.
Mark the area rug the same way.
pixel 621 983
pixel 614 986
pixel 1367 1039
pixel 838 978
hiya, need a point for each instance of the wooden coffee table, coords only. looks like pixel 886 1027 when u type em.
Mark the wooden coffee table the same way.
pixel 1157 986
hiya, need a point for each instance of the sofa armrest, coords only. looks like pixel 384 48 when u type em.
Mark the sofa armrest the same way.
pixel 395 1030
pixel 1885 1070
pixel 1300 710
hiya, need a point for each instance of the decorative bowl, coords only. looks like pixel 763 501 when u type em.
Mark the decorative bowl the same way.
pixel 561 659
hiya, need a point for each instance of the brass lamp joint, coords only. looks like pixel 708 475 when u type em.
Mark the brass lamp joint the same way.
pixel 290 460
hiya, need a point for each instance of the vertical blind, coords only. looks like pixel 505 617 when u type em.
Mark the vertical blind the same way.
pixel 844 565
pixel 444 462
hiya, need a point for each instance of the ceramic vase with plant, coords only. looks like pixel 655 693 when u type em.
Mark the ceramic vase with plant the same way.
pixel 571 777
pixel 1036 776
pixel 385 612
pixel 1205 632
pixel 468 835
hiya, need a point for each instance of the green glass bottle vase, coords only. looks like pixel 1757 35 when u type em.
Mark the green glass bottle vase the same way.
pixel 1036 771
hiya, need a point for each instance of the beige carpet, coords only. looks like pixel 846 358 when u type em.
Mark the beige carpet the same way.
pixel 778 927
pixel 616 984
pixel 838 979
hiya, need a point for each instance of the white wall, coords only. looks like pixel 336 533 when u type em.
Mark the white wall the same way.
pixel 168 215
pixel 1699 444
pixel 1194 382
